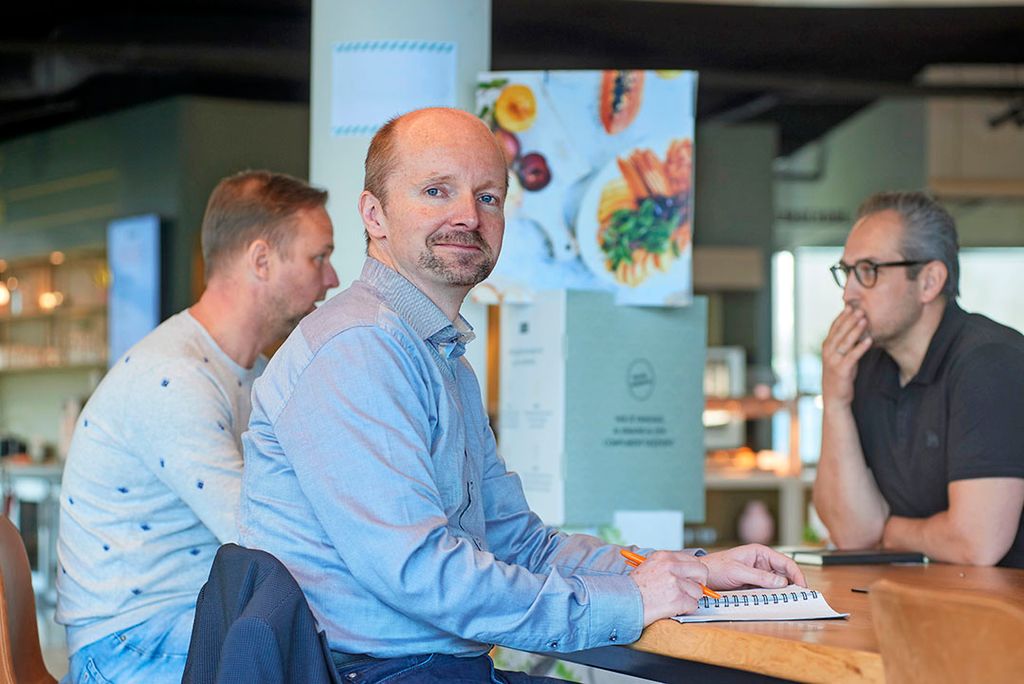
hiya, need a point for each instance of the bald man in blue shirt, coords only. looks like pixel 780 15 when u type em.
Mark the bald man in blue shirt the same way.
pixel 372 471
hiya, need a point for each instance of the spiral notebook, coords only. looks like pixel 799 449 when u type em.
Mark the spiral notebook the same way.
pixel 749 605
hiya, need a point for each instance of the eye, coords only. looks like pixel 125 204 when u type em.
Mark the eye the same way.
pixel 433 192
pixel 488 198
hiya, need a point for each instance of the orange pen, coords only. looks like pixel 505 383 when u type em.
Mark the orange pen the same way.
pixel 636 559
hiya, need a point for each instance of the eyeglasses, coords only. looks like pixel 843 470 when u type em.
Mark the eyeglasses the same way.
pixel 865 270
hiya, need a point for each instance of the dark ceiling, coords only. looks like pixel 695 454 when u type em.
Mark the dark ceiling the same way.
pixel 806 69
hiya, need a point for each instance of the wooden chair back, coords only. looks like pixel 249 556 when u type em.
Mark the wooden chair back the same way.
pixel 21 659
pixel 932 635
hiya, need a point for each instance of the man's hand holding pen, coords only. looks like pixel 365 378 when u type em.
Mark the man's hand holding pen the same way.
pixel 672 582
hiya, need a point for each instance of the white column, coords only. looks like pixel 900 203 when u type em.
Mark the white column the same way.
pixel 336 163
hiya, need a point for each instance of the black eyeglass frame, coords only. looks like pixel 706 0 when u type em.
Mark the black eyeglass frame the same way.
pixel 845 269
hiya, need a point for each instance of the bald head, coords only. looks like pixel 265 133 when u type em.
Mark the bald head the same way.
pixel 411 131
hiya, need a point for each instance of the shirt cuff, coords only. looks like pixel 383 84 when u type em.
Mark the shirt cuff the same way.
pixel 647 552
pixel 616 609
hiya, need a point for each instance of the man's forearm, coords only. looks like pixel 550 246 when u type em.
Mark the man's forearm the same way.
pixel 845 494
pixel 937 536
pixel 978 528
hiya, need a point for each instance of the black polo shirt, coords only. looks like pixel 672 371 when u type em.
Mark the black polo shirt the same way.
pixel 960 417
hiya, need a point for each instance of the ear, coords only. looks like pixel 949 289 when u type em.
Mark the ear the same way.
pixel 372 212
pixel 257 259
pixel 932 279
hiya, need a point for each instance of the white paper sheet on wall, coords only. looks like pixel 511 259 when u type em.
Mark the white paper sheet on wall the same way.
pixel 374 80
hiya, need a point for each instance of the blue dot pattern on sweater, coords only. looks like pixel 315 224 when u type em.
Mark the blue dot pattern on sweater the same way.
pixel 135 503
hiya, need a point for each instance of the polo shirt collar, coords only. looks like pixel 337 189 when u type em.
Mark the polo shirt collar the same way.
pixel 416 308
pixel 887 376
pixel 953 320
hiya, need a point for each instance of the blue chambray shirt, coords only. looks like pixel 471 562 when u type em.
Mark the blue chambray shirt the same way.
pixel 371 472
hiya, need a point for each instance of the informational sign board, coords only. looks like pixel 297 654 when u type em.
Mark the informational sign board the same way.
pixel 601 406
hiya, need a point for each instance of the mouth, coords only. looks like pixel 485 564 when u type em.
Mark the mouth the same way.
pixel 458 242
pixel 459 247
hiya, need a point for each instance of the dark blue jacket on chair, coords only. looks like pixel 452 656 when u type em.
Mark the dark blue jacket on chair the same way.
pixel 253 625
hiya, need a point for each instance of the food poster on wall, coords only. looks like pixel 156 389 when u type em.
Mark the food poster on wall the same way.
pixel 601 181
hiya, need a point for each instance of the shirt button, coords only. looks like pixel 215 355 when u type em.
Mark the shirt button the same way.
pixel 553 644
pixel 613 638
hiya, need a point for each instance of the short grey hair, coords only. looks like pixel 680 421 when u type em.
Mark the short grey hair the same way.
pixel 929 232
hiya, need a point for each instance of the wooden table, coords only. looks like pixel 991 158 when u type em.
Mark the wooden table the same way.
pixel 833 651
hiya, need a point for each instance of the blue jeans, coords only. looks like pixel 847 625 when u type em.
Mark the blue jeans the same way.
pixel 153 652
pixel 443 669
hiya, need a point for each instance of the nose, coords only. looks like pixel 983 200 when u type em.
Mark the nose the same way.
pixel 330 276
pixel 851 291
pixel 466 212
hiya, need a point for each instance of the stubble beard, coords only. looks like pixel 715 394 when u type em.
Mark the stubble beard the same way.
pixel 898 329
pixel 466 270
pixel 282 320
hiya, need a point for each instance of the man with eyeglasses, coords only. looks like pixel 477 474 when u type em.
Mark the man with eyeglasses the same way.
pixel 923 431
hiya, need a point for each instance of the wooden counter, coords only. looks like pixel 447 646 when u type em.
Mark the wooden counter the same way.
pixel 833 651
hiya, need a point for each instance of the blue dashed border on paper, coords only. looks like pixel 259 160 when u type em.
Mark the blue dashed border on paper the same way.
pixel 395 46
pixel 435 46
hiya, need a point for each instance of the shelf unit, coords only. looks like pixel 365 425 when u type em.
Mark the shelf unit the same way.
pixel 789 485
pixel 791 490
pixel 53 312
pixel 757 408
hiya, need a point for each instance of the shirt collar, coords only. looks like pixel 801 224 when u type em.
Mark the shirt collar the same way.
pixel 953 319
pixel 417 309
pixel 886 375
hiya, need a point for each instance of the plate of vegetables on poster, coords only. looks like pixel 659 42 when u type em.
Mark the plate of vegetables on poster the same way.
pixel 634 223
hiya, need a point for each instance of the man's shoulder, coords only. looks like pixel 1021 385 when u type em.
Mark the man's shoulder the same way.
pixel 983 341
pixel 359 307
pixel 985 351
pixel 348 337
pixel 980 331
pixel 175 350
pixel 177 339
